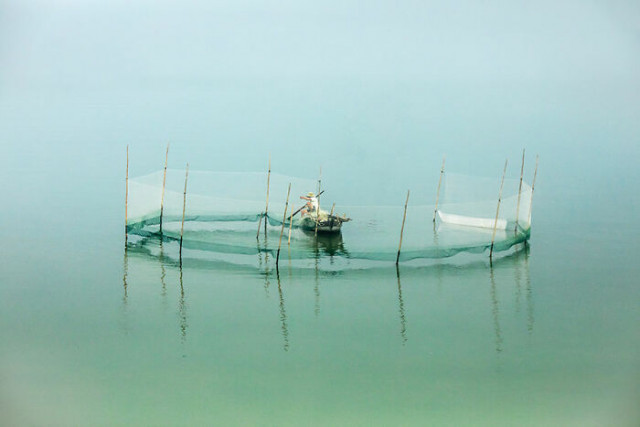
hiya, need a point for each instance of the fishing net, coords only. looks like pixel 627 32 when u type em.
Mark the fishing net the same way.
pixel 223 210
pixel 472 201
pixel 212 197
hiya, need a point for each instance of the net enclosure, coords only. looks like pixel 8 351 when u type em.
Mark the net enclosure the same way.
pixel 222 211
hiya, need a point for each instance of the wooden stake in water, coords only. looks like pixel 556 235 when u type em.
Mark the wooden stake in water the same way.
pixel 266 208
pixel 184 205
pixel 126 198
pixel 290 224
pixel 164 181
pixel 495 224
pixel 435 211
pixel 533 184
pixel 404 216
pixel 331 217
pixel 519 193
pixel 284 218
pixel 318 198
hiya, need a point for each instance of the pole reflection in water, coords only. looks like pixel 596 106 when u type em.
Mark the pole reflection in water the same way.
pixel 438 262
pixel 403 321
pixel 518 280
pixel 516 265
pixel 495 311
pixel 316 288
pixel 529 290
pixel 154 249
pixel 521 268
pixel 266 245
pixel 510 285
pixel 182 310
pixel 125 268
pixel 259 255
pixel 267 283
pixel 283 316
pixel 125 291
pixel 163 275
pixel 266 271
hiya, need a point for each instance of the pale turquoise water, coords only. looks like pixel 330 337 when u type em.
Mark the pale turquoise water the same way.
pixel 375 96
pixel 540 338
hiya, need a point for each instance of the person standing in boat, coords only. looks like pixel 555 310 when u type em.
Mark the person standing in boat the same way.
pixel 312 204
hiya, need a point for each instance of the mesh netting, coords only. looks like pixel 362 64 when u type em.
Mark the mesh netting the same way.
pixel 472 201
pixel 223 209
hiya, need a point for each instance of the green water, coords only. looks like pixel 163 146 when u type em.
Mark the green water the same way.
pixel 93 335
pixel 96 336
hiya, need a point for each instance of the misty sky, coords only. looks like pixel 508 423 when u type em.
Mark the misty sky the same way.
pixel 91 42
pixel 353 86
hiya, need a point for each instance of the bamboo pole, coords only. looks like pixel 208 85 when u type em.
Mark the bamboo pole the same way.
pixel 533 184
pixel 184 205
pixel 435 211
pixel 259 225
pixel 318 199
pixel 331 217
pixel 404 216
pixel 284 217
pixel 126 198
pixel 290 224
pixel 266 208
pixel 164 181
pixel 519 193
pixel 495 224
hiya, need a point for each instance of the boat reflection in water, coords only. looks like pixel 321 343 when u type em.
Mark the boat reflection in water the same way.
pixel 330 244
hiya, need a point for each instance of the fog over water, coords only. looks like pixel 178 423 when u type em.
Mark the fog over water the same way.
pixel 374 93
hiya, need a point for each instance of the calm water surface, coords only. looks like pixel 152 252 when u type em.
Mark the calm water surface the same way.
pixel 93 335
pixel 96 335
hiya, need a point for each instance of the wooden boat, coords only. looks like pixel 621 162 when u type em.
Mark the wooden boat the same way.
pixel 326 223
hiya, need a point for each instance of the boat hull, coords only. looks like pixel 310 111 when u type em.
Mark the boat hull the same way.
pixel 331 225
